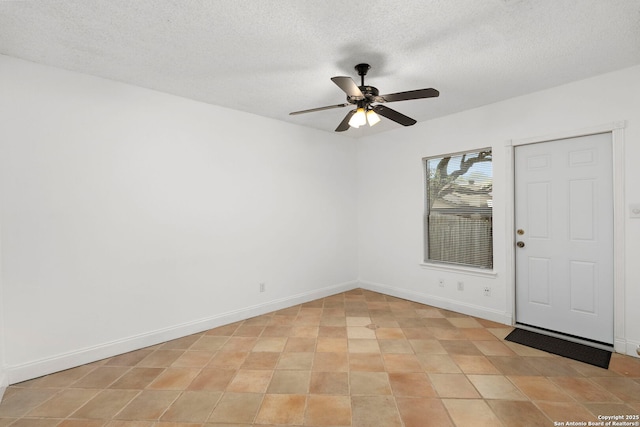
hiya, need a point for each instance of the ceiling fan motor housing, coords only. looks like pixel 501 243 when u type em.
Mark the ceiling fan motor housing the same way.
pixel 370 93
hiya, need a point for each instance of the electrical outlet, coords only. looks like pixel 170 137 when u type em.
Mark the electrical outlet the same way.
pixel 487 291
pixel 461 286
pixel 441 283
pixel 263 287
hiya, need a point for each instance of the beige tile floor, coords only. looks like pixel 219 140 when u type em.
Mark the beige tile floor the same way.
pixel 354 359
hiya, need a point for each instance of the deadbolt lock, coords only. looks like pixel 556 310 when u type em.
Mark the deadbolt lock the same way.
pixel 520 244
pixel 520 231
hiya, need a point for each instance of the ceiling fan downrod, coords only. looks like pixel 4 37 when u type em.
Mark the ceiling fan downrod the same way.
pixel 362 71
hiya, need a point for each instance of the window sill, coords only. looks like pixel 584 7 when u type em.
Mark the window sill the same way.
pixel 460 269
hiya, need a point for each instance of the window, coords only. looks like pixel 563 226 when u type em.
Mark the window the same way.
pixel 458 214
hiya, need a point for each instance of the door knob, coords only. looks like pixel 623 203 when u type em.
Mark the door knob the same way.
pixel 520 244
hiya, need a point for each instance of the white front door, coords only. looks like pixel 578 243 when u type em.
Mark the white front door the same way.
pixel 564 223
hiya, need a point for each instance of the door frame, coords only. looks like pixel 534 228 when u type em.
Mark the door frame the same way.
pixel 616 129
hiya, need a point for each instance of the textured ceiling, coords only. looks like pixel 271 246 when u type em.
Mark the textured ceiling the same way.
pixel 271 57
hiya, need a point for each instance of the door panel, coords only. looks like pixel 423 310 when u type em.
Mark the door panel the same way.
pixel 538 286
pixel 583 286
pixel 582 204
pixel 539 204
pixel 564 205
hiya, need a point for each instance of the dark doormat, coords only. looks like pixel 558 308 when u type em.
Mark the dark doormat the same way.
pixel 572 350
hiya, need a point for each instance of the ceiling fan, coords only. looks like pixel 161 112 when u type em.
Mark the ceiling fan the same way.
pixel 364 96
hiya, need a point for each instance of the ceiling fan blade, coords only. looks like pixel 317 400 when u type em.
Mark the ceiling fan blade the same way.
pixel 344 124
pixel 328 107
pixel 348 86
pixel 411 94
pixel 394 115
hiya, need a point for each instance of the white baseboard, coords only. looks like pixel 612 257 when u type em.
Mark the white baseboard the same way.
pixel 4 383
pixel 444 303
pixel 631 348
pixel 38 368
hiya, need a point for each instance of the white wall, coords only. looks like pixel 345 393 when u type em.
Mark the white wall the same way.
pixel 130 216
pixel 391 195
pixel 4 379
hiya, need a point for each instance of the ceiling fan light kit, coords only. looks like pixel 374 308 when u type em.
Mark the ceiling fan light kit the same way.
pixel 372 118
pixel 363 98
pixel 358 119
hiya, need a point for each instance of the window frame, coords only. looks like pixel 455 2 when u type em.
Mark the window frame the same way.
pixel 446 265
